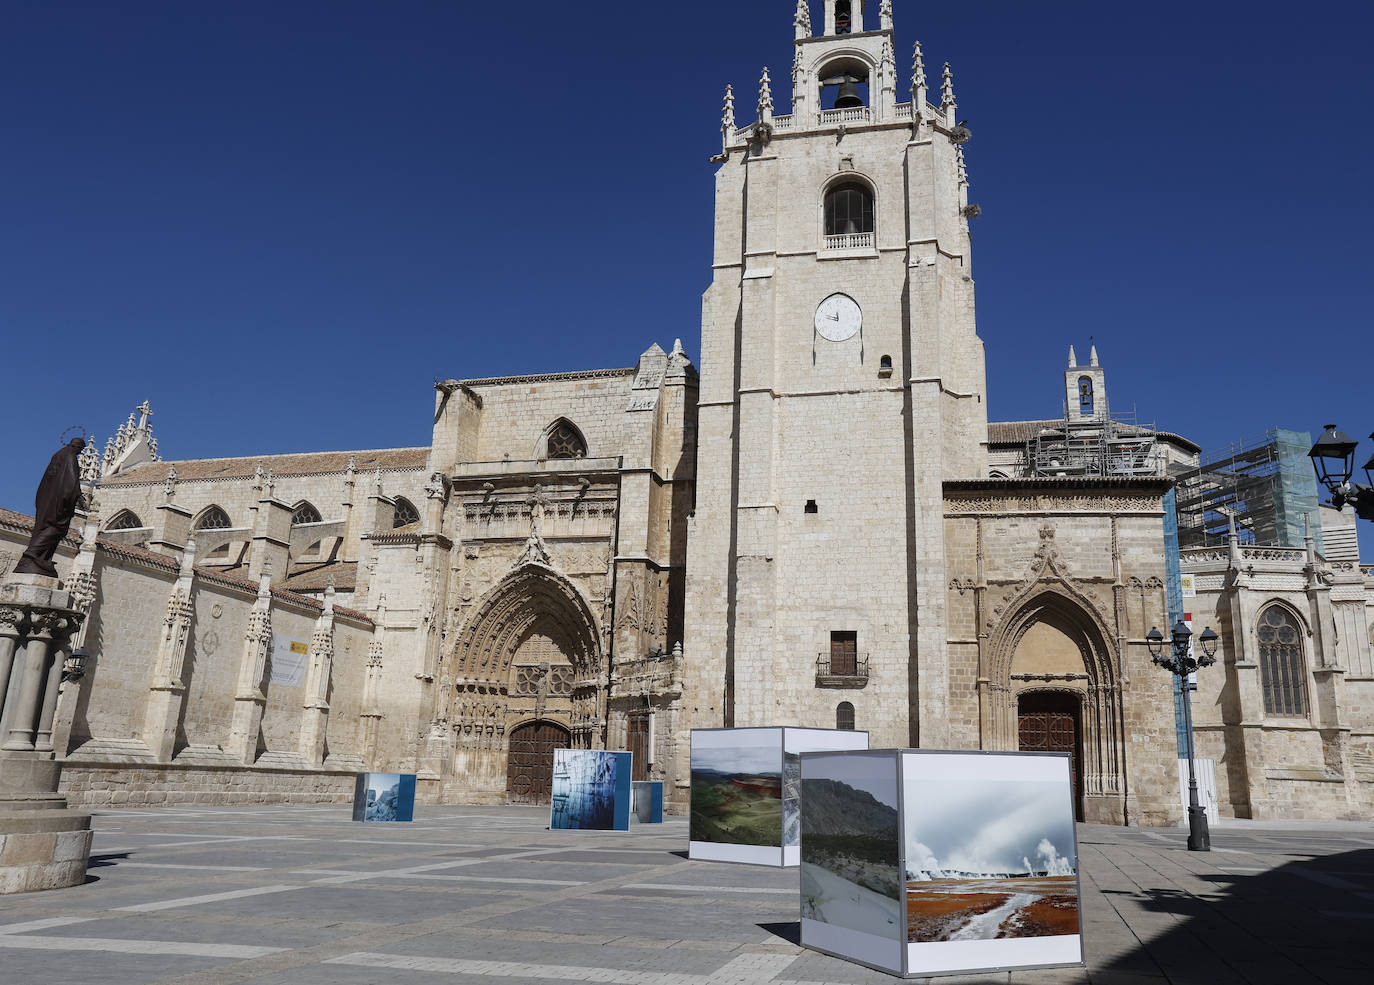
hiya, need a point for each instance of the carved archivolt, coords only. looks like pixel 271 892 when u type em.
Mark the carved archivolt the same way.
pixel 503 618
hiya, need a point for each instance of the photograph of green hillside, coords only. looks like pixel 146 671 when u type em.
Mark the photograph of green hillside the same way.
pixel 850 844
pixel 737 793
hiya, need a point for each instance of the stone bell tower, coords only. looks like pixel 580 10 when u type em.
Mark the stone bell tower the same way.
pixel 842 383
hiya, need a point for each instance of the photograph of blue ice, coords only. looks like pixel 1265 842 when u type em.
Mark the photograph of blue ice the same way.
pixel 591 790
pixel 384 797
pixel 646 802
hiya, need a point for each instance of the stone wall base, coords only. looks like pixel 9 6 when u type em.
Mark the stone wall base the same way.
pixel 43 849
pixel 105 785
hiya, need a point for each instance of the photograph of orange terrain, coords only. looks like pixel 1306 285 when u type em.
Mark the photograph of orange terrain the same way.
pixel 987 862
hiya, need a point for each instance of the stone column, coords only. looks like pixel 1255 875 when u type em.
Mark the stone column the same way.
pixel 43 845
pixel 167 690
pixel 315 717
pixel 23 718
pixel 250 698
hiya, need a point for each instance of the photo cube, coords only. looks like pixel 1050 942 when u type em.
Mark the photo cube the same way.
pixel 591 790
pixel 925 863
pixel 384 797
pixel 646 802
pixel 745 791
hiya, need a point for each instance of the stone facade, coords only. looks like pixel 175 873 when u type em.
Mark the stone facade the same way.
pixel 824 529
pixel 1287 713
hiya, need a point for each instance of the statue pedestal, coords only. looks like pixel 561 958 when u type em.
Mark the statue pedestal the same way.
pixel 43 844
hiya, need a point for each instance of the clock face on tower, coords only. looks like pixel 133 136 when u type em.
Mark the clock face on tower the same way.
pixel 838 318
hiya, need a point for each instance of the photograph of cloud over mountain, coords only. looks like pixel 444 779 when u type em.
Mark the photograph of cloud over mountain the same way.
pixel 987 860
pixel 737 791
pixel 850 844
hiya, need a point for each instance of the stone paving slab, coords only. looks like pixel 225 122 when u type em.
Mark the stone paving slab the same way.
pixel 269 896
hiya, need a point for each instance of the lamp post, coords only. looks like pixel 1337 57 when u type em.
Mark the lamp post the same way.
pixel 1181 663
pixel 1333 459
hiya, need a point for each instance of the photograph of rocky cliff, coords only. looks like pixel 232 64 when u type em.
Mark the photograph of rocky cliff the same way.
pixel 988 860
pixel 850 844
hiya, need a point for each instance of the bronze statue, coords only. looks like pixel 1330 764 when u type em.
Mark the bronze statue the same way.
pixel 58 498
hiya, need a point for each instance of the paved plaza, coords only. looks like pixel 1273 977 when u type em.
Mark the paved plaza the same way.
pixel 479 896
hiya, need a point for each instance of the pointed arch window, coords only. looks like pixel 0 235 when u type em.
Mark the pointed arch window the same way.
pixel 305 513
pixel 214 518
pixel 844 17
pixel 1085 396
pixel 565 441
pixel 405 514
pixel 1283 671
pixel 844 716
pixel 125 520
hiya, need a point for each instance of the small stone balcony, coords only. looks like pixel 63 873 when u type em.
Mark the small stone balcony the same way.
pixel 848 672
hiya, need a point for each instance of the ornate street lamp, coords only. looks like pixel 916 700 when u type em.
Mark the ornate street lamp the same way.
pixel 74 667
pixel 1181 663
pixel 1333 459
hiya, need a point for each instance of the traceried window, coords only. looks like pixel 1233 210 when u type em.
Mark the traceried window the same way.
pixel 125 520
pixel 1283 672
pixel 849 210
pixel 844 716
pixel 1085 395
pixel 565 441
pixel 305 513
pixel 405 514
pixel 214 519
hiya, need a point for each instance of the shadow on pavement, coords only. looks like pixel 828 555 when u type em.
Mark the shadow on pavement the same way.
pixel 1308 921
pixel 790 932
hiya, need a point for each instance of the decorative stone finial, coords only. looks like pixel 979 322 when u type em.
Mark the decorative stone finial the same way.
pixel 885 15
pixel 947 102
pixel 89 464
pixel 1073 358
pixel 961 166
pixel 170 483
pixel 889 60
pixel 765 97
pixel 1092 357
pixel 727 116
pixel 802 20
pixel 677 348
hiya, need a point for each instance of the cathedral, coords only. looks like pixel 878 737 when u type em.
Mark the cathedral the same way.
pixel 818 527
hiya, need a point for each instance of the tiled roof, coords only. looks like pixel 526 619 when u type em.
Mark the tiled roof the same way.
pixel 343 575
pixel 306 463
pixel 23 523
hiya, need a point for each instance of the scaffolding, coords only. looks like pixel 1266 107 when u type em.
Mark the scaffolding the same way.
pixel 1110 445
pixel 1265 484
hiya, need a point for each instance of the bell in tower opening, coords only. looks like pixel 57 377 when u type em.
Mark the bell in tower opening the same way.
pixel 843 23
pixel 848 94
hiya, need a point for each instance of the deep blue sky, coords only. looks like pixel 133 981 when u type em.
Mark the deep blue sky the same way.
pixel 280 222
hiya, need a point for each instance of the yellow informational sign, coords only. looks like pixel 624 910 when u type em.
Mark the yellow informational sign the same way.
pixel 1189 589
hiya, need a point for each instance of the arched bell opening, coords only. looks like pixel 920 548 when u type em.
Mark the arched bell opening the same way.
pixel 844 83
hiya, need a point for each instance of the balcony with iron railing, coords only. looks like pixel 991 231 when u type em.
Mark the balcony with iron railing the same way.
pixel 842 670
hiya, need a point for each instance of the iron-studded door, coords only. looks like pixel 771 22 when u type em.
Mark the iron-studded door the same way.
pixel 637 741
pixel 529 772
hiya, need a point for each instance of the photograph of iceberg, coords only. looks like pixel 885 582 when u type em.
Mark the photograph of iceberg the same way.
pixel 737 788
pixel 850 844
pixel 989 859
pixel 791 799
pixel 591 790
pixel 384 797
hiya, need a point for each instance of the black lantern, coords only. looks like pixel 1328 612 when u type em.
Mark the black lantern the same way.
pixel 1333 456
pixel 1209 640
pixel 74 667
